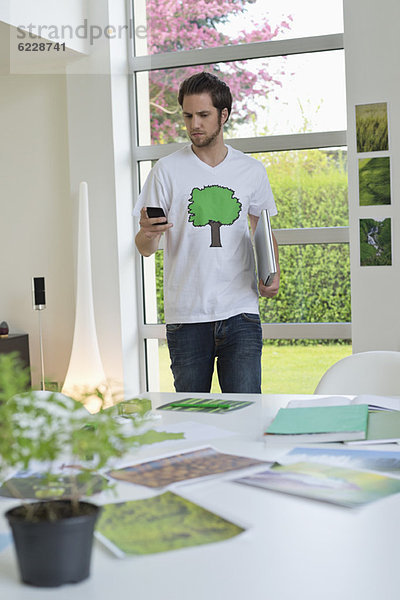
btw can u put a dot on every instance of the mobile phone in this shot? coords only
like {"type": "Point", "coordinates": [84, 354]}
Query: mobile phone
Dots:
{"type": "Point", "coordinates": [155, 211]}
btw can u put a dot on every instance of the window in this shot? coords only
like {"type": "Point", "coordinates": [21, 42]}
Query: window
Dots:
{"type": "Point", "coordinates": [289, 113]}
{"type": "Point", "coordinates": [306, 93]}
{"type": "Point", "coordinates": [174, 26]}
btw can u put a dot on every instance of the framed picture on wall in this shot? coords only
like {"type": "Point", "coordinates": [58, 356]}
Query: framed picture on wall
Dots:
{"type": "Point", "coordinates": [374, 180]}
{"type": "Point", "coordinates": [372, 127]}
{"type": "Point", "coordinates": [375, 242]}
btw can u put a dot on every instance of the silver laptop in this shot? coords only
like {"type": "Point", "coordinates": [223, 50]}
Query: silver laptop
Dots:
{"type": "Point", "coordinates": [264, 249]}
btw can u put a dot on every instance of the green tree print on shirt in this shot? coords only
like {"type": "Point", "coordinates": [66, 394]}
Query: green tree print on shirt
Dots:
{"type": "Point", "coordinates": [213, 205]}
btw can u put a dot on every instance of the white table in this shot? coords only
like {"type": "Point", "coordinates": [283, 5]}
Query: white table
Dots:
{"type": "Point", "coordinates": [295, 549]}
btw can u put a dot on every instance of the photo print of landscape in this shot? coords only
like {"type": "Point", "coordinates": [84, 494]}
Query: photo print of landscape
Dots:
{"type": "Point", "coordinates": [372, 127]}
{"type": "Point", "coordinates": [374, 180]}
{"type": "Point", "coordinates": [375, 242]}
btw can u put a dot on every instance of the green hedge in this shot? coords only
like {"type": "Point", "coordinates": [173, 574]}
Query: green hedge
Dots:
{"type": "Point", "coordinates": [310, 190]}
{"type": "Point", "coordinates": [315, 286]}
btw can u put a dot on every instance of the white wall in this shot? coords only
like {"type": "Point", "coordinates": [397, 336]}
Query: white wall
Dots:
{"type": "Point", "coordinates": [100, 153]}
{"type": "Point", "coordinates": [48, 17]}
{"type": "Point", "coordinates": [36, 214]}
{"type": "Point", "coordinates": [55, 132]}
{"type": "Point", "coordinates": [372, 50]}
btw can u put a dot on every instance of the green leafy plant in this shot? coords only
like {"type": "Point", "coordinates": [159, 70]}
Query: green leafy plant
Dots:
{"type": "Point", "coordinates": [53, 430]}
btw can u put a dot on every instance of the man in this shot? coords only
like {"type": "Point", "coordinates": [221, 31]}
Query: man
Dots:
{"type": "Point", "coordinates": [207, 191]}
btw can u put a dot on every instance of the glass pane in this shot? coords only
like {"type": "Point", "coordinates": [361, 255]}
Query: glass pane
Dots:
{"type": "Point", "coordinates": [272, 96]}
{"type": "Point", "coordinates": [152, 270]}
{"type": "Point", "coordinates": [153, 288]}
{"type": "Point", "coordinates": [166, 381]}
{"type": "Point", "coordinates": [294, 368]}
{"type": "Point", "coordinates": [315, 286]}
{"type": "Point", "coordinates": [176, 25]}
{"type": "Point", "coordinates": [309, 186]}
{"type": "Point", "coordinates": [310, 189]}
{"type": "Point", "coordinates": [298, 367]}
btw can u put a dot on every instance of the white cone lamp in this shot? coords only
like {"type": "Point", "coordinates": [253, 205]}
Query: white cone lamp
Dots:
{"type": "Point", "coordinates": [85, 371]}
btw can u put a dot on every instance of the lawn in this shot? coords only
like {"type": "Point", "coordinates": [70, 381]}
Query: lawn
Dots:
{"type": "Point", "coordinates": [285, 369]}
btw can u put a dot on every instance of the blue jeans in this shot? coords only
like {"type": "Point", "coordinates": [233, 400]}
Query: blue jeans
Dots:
{"type": "Point", "coordinates": [235, 342]}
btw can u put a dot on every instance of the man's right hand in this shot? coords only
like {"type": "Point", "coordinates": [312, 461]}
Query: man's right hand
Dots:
{"type": "Point", "coordinates": [152, 228]}
{"type": "Point", "coordinates": [150, 232]}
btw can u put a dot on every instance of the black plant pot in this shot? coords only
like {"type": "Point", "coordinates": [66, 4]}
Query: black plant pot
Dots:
{"type": "Point", "coordinates": [52, 553]}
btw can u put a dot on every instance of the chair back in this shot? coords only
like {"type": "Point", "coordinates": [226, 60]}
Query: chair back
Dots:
{"type": "Point", "coordinates": [375, 372]}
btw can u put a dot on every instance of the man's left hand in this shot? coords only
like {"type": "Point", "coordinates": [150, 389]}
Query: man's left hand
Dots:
{"type": "Point", "coordinates": [269, 291]}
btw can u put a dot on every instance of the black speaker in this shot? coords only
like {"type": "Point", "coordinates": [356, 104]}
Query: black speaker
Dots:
{"type": "Point", "coordinates": [38, 293]}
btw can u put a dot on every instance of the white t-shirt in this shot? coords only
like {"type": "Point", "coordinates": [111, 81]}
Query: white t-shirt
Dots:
{"type": "Point", "coordinates": [209, 268]}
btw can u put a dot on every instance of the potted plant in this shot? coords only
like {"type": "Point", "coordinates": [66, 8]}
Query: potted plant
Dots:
{"type": "Point", "coordinates": [53, 536]}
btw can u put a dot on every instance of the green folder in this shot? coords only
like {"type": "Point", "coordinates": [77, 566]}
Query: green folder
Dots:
{"type": "Point", "coordinates": [320, 423]}
{"type": "Point", "coordinates": [383, 427]}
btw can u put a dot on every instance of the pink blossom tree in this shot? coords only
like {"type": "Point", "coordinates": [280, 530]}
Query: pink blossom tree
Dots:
{"type": "Point", "coordinates": [175, 25]}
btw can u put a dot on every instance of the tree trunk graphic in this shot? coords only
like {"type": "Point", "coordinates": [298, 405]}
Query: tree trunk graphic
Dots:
{"type": "Point", "coordinates": [215, 234]}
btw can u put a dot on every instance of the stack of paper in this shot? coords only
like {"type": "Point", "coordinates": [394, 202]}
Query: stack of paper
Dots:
{"type": "Point", "coordinates": [383, 416]}
{"type": "Point", "coordinates": [326, 482]}
{"type": "Point", "coordinates": [319, 424]}
{"type": "Point", "coordinates": [374, 402]}
{"type": "Point", "coordinates": [344, 476]}
{"type": "Point", "coordinates": [383, 428]}
{"type": "Point", "coordinates": [364, 459]}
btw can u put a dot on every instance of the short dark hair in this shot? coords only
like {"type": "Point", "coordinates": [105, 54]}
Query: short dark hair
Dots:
{"type": "Point", "coordinates": [207, 82]}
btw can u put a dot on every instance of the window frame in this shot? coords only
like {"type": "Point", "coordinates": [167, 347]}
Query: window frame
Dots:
{"type": "Point", "coordinates": [298, 141]}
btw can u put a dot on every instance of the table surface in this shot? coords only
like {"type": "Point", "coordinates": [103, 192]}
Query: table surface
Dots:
{"type": "Point", "coordinates": [294, 548]}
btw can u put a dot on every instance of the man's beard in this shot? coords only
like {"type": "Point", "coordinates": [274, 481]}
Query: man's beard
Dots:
{"type": "Point", "coordinates": [206, 141]}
